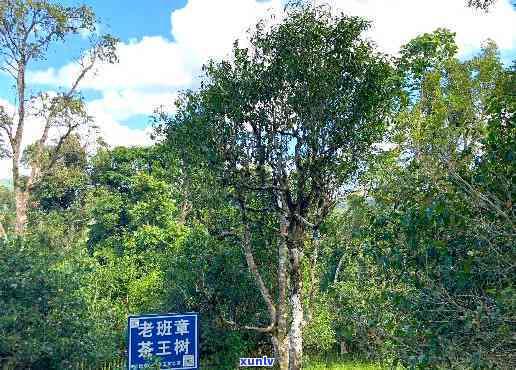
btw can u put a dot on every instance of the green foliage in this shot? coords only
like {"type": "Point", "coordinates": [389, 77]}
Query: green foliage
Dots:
{"type": "Point", "coordinates": [292, 116]}
{"type": "Point", "coordinates": [134, 232]}
{"type": "Point", "coordinates": [353, 286]}
{"type": "Point", "coordinates": [149, 262]}
{"type": "Point", "coordinates": [415, 267]}
{"type": "Point", "coordinates": [341, 364]}
{"type": "Point", "coordinates": [497, 167]}
{"type": "Point", "coordinates": [134, 210]}
{"type": "Point", "coordinates": [55, 22]}
{"type": "Point", "coordinates": [430, 243]}
{"type": "Point", "coordinates": [58, 189]}
{"type": "Point", "coordinates": [428, 51]}
{"type": "Point", "coordinates": [319, 334]}
{"type": "Point", "coordinates": [6, 207]}
{"type": "Point", "coordinates": [59, 216]}
{"type": "Point", "coordinates": [211, 277]}
{"type": "Point", "coordinates": [45, 321]}
{"type": "Point", "coordinates": [438, 248]}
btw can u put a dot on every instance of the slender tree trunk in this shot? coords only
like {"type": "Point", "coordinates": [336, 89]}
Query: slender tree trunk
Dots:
{"type": "Point", "coordinates": [281, 347]}
{"type": "Point", "coordinates": [296, 302]}
{"type": "Point", "coordinates": [337, 270]}
{"type": "Point", "coordinates": [281, 351]}
{"type": "Point", "coordinates": [256, 274]}
{"type": "Point", "coordinates": [313, 284]}
{"type": "Point", "coordinates": [184, 210]}
{"type": "Point", "coordinates": [20, 194]}
{"type": "Point", "coordinates": [2, 231]}
{"type": "Point", "coordinates": [21, 198]}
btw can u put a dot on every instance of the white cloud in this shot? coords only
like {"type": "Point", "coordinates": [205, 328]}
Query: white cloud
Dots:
{"type": "Point", "coordinates": [134, 86]}
{"type": "Point", "coordinates": [204, 29]}
{"type": "Point", "coordinates": [153, 69]}
{"type": "Point", "coordinates": [201, 30]}
{"type": "Point", "coordinates": [121, 105]}
{"type": "Point", "coordinates": [207, 29]}
{"type": "Point", "coordinates": [5, 164]}
{"type": "Point", "coordinates": [5, 169]}
{"type": "Point", "coordinates": [33, 125]}
{"type": "Point", "coordinates": [395, 22]}
{"type": "Point", "coordinates": [116, 134]}
{"type": "Point", "coordinates": [152, 62]}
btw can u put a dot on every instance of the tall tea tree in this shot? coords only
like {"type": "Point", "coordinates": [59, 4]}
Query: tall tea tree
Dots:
{"type": "Point", "coordinates": [285, 126]}
{"type": "Point", "coordinates": [27, 29]}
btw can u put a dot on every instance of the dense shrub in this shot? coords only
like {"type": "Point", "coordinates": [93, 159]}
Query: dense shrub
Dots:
{"type": "Point", "coordinates": [46, 321]}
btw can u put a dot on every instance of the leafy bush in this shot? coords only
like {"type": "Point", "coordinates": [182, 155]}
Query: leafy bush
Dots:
{"type": "Point", "coordinates": [211, 278]}
{"type": "Point", "coordinates": [46, 321]}
{"type": "Point", "coordinates": [319, 333]}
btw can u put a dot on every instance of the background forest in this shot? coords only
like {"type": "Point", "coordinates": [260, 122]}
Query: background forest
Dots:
{"type": "Point", "coordinates": [313, 198]}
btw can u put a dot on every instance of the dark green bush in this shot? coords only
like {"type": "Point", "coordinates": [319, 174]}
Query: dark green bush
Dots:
{"type": "Point", "coordinates": [45, 321]}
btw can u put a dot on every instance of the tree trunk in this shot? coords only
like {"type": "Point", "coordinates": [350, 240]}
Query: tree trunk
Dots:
{"type": "Point", "coordinates": [3, 234]}
{"type": "Point", "coordinates": [296, 302]}
{"type": "Point", "coordinates": [281, 341]}
{"type": "Point", "coordinates": [20, 194]}
{"type": "Point", "coordinates": [281, 351]}
{"type": "Point", "coordinates": [21, 198]}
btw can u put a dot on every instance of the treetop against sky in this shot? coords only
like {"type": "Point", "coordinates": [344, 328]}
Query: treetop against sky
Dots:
{"type": "Point", "coordinates": [164, 44]}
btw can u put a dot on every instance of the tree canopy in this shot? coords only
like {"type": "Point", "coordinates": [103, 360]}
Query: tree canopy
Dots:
{"type": "Point", "coordinates": [285, 126]}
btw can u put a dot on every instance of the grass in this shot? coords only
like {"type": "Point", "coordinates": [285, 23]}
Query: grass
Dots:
{"type": "Point", "coordinates": [348, 365]}
{"type": "Point", "coordinates": [342, 364]}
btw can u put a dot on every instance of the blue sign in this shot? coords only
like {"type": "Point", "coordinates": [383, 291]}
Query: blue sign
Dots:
{"type": "Point", "coordinates": [170, 340]}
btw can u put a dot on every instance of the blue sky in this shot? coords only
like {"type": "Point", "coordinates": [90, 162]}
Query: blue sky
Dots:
{"type": "Point", "coordinates": [165, 42]}
{"type": "Point", "coordinates": [135, 19]}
